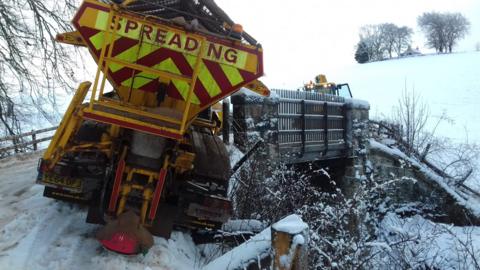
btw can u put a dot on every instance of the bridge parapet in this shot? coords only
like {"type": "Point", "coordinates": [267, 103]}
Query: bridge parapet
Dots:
{"type": "Point", "coordinates": [298, 126]}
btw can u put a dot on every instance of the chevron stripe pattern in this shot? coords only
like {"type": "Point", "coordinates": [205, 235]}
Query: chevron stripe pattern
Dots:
{"type": "Point", "coordinates": [224, 66]}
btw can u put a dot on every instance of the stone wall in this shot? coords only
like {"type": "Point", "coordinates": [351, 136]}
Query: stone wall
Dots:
{"type": "Point", "coordinates": [414, 192]}
{"type": "Point", "coordinates": [357, 166]}
{"type": "Point", "coordinates": [255, 118]}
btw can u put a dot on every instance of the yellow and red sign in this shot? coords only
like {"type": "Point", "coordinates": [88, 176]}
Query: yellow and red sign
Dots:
{"type": "Point", "coordinates": [225, 65]}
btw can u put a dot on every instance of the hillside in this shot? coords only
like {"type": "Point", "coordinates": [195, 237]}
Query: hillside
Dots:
{"type": "Point", "coordinates": [448, 83]}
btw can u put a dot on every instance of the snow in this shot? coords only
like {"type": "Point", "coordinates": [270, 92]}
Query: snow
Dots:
{"type": "Point", "coordinates": [40, 233]}
{"type": "Point", "coordinates": [298, 240]}
{"type": "Point", "coordinates": [357, 103]}
{"type": "Point", "coordinates": [292, 224]}
{"type": "Point", "coordinates": [438, 245]}
{"type": "Point", "coordinates": [234, 153]}
{"type": "Point", "coordinates": [259, 246]}
{"type": "Point", "coordinates": [448, 83]}
{"type": "Point", "coordinates": [243, 225]}
{"type": "Point", "coordinates": [252, 97]}
{"type": "Point", "coordinates": [256, 248]}
{"type": "Point", "coordinates": [247, 92]}
{"type": "Point", "coordinates": [471, 203]}
{"type": "Point", "coordinates": [382, 245]}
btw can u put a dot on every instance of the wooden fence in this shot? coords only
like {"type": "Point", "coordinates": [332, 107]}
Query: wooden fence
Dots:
{"type": "Point", "coordinates": [19, 144]}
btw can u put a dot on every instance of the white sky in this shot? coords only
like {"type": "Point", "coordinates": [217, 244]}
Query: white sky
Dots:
{"type": "Point", "coordinates": [306, 37]}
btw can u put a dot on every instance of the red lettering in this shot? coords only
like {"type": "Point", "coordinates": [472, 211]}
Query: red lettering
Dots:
{"type": "Point", "coordinates": [231, 56]}
{"type": "Point", "coordinates": [131, 25]}
{"type": "Point", "coordinates": [176, 40]}
{"type": "Point", "coordinates": [191, 44]}
{"type": "Point", "coordinates": [147, 31]}
{"type": "Point", "coordinates": [213, 49]}
{"type": "Point", "coordinates": [161, 36]}
{"type": "Point", "coordinates": [112, 25]}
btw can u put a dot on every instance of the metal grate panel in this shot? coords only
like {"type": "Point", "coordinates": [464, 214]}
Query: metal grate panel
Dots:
{"type": "Point", "coordinates": [310, 122]}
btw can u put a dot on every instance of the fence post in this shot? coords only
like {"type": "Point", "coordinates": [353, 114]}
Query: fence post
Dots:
{"type": "Point", "coordinates": [289, 244]}
{"type": "Point", "coordinates": [14, 142]}
{"type": "Point", "coordinates": [34, 140]}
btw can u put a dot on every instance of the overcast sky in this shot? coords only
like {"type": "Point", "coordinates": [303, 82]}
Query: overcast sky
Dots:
{"type": "Point", "coordinates": [305, 37]}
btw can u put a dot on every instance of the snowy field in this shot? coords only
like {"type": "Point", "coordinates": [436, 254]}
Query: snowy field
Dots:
{"type": "Point", "coordinates": [448, 83]}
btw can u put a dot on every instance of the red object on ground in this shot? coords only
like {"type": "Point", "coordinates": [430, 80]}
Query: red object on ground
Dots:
{"type": "Point", "coordinates": [121, 243]}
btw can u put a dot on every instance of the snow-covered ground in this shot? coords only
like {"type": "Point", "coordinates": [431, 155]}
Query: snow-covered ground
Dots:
{"type": "Point", "coordinates": [448, 83]}
{"type": "Point", "coordinates": [40, 233]}
{"type": "Point", "coordinates": [416, 242]}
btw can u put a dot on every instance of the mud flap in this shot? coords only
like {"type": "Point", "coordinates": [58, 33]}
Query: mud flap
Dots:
{"type": "Point", "coordinates": [164, 219]}
{"type": "Point", "coordinates": [95, 210]}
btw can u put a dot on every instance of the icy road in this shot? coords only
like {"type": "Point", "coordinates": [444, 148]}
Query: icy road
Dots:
{"type": "Point", "coordinates": [39, 233]}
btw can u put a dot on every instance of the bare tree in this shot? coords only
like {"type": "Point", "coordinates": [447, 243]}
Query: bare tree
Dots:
{"type": "Point", "coordinates": [456, 27]}
{"type": "Point", "coordinates": [372, 36]}
{"type": "Point", "coordinates": [412, 115]}
{"type": "Point", "coordinates": [382, 40]}
{"type": "Point", "coordinates": [443, 30]}
{"type": "Point", "coordinates": [402, 39]}
{"type": "Point", "coordinates": [31, 64]}
{"type": "Point", "coordinates": [389, 33]}
{"type": "Point", "coordinates": [456, 161]}
{"type": "Point", "coordinates": [432, 25]}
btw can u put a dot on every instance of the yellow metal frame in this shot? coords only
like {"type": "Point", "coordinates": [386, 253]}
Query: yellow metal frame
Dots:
{"type": "Point", "coordinates": [100, 81]}
{"type": "Point", "coordinates": [72, 38]}
{"type": "Point", "coordinates": [67, 126]}
{"type": "Point", "coordinates": [147, 191]}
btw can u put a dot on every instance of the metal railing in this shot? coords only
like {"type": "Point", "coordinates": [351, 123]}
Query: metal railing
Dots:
{"type": "Point", "coordinates": [310, 123]}
{"type": "Point", "coordinates": [18, 142]}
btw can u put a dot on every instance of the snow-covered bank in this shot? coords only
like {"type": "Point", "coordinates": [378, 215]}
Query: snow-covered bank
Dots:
{"type": "Point", "coordinates": [470, 201]}
{"type": "Point", "coordinates": [416, 243]}
{"type": "Point", "coordinates": [40, 233]}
